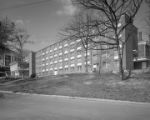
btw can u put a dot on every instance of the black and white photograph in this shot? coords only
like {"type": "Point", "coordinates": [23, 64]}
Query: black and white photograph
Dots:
{"type": "Point", "coordinates": [74, 59]}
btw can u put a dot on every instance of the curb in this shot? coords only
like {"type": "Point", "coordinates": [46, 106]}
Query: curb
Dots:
{"type": "Point", "coordinates": [71, 97]}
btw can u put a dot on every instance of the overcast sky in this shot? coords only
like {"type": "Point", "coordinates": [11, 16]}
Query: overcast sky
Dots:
{"type": "Point", "coordinates": [43, 20]}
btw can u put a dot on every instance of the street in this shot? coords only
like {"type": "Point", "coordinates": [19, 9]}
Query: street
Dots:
{"type": "Point", "coordinates": [38, 107]}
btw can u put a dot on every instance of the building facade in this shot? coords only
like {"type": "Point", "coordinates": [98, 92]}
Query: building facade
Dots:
{"type": "Point", "coordinates": [143, 59]}
{"type": "Point", "coordinates": [69, 56]}
{"type": "Point", "coordinates": [19, 69]}
{"type": "Point", "coordinates": [7, 56]}
{"type": "Point", "coordinates": [62, 57]}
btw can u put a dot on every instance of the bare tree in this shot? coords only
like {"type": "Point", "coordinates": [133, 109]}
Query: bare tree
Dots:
{"type": "Point", "coordinates": [6, 33]}
{"type": "Point", "coordinates": [106, 26]}
{"type": "Point", "coordinates": [20, 39]}
{"type": "Point", "coordinates": [148, 17]}
{"type": "Point", "coordinates": [79, 28]}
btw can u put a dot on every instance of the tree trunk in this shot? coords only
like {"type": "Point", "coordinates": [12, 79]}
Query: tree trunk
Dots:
{"type": "Point", "coordinates": [121, 71]}
{"type": "Point", "coordinates": [86, 60]}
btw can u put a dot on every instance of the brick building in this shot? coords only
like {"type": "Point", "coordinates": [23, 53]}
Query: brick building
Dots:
{"type": "Point", "coordinates": [68, 56]}
{"type": "Point", "coordinates": [6, 57]}
{"type": "Point", "coordinates": [143, 59]}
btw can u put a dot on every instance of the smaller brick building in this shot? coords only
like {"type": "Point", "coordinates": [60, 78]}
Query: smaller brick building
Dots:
{"type": "Point", "coordinates": [143, 59]}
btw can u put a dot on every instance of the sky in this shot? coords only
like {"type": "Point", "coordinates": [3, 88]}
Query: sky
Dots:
{"type": "Point", "coordinates": [44, 19]}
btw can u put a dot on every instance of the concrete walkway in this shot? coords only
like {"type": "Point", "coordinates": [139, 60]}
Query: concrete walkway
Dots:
{"type": "Point", "coordinates": [44, 107]}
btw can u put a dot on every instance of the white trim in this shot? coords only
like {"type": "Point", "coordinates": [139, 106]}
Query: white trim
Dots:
{"type": "Point", "coordinates": [65, 44]}
{"type": "Point", "coordinates": [142, 42]}
{"type": "Point", "coordinates": [55, 55]}
{"type": "Point", "coordinates": [79, 64]}
{"type": "Point", "coordinates": [66, 66]}
{"type": "Point", "coordinates": [87, 54]}
{"type": "Point", "coordinates": [72, 43]}
{"type": "Point", "coordinates": [79, 48]}
{"type": "Point", "coordinates": [60, 67]}
{"type": "Point", "coordinates": [94, 66]}
{"type": "Point", "coordinates": [60, 47]}
{"type": "Point", "coordinates": [78, 40]}
{"type": "Point", "coordinates": [55, 61]}
{"type": "Point", "coordinates": [140, 59]}
{"type": "Point", "coordinates": [60, 53]}
{"type": "Point", "coordinates": [60, 60]}
{"type": "Point", "coordinates": [72, 65]}
{"type": "Point", "coordinates": [78, 56]}
{"type": "Point", "coordinates": [87, 62]}
{"type": "Point", "coordinates": [66, 52]}
{"type": "Point", "coordinates": [72, 58]}
{"type": "Point", "coordinates": [51, 69]}
{"type": "Point", "coordinates": [55, 49]}
{"type": "Point", "coordinates": [119, 24]}
{"type": "Point", "coordinates": [65, 59]}
{"type": "Point", "coordinates": [72, 50]}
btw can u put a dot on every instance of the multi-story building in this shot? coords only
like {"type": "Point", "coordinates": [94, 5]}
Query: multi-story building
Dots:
{"type": "Point", "coordinates": [62, 57]}
{"type": "Point", "coordinates": [143, 59]}
{"type": "Point", "coordinates": [68, 56]}
{"type": "Point", "coordinates": [6, 57]}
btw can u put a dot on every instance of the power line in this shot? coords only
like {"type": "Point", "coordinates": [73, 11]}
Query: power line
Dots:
{"type": "Point", "coordinates": [24, 5]}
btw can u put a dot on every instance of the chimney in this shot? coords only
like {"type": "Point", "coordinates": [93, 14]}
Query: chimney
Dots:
{"type": "Point", "coordinates": [140, 36]}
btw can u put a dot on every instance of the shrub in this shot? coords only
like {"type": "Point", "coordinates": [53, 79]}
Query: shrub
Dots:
{"type": "Point", "coordinates": [1, 95]}
{"type": "Point", "coordinates": [33, 75]}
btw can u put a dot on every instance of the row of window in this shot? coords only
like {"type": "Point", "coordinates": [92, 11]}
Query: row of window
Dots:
{"type": "Point", "coordinates": [79, 55]}
{"type": "Point", "coordinates": [56, 46]}
{"type": "Point", "coordinates": [60, 66]}
{"type": "Point", "coordinates": [65, 51]}
{"type": "Point", "coordinates": [79, 68]}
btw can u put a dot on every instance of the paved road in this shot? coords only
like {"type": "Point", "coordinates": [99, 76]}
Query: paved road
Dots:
{"type": "Point", "coordinates": [35, 107]}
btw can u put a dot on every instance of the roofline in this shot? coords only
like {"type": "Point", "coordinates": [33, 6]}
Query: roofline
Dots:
{"type": "Point", "coordinates": [52, 44]}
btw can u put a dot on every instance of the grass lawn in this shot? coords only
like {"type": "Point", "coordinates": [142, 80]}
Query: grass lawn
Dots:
{"type": "Point", "coordinates": [106, 86]}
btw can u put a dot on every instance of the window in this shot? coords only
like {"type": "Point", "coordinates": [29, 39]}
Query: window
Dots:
{"type": "Point", "coordinates": [72, 69]}
{"type": "Point", "coordinates": [79, 60]}
{"type": "Point", "coordinates": [72, 57]}
{"type": "Point", "coordinates": [115, 55]}
{"type": "Point", "coordinates": [66, 52]}
{"type": "Point", "coordinates": [66, 56]}
{"type": "Point", "coordinates": [66, 69]}
{"type": "Point", "coordinates": [66, 62]}
{"type": "Point", "coordinates": [72, 43]}
{"type": "Point", "coordinates": [79, 48]}
{"type": "Point", "coordinates": [65, 43]}
{"type": "Point", "coordinates": [78, 56]}
{"type": "Point", "coordinates": [71, 50]}
{"type": "Point", "coordinates": [7, 60]}
{"type": "Point", "coordinates": [79, 68]}
{"type": "Point", "coordinates": [60, 47]}
{"type": "Point", "coordinates": [78, 40]}
{"type": "Point", "coordinates": [72, 54]}
{"type": "Point", "coordinates": [60, 54]}
{"type": "Point", "coordinates": [72, 61]}
{"type": "Point", "coordinates": [55, 48]}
